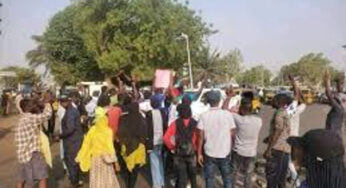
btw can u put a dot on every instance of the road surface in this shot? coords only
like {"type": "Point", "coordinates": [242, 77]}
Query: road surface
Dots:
{"type": "Point", "coordinates": [313, 117]}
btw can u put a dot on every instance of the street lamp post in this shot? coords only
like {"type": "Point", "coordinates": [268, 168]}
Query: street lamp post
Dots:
{"type": "Point", "coordinates": [186, 37]}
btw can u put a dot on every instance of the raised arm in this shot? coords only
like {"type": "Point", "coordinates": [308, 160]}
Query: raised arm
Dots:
{"type": "Point", "coordinates": [294, 84]}
{"type": "Point", "coordinates": [327, 86]}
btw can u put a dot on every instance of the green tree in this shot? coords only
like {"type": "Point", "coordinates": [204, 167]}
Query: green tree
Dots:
{"type": "Point", "coordinates": [62, 51]}
{"type": "Point", "coordinates": [23, 75]}
{"type": "Point", "coordinates": [139, 35]}
{"type": "Point", "coordinates": [310, 68]}
{"type": "Point", "coordinates": [210, 64]}
{"type": "Point", "coordinates": [258, 75]}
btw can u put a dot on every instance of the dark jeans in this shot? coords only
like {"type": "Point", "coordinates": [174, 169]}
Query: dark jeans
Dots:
{"type": "Point", "coordinates": [242, 169]}
{"type": "Point", "coordinates": [276, 169]}
{"type": "Point", "coordinates": [186, 168]}
{"type": "Point", "coordinates": [223, 164]}
{"type": "Point", "coordinates": [131, 177]}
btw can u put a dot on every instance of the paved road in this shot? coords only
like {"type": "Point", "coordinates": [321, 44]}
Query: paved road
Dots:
{"type": "Point", "coordinates": [313, 117]}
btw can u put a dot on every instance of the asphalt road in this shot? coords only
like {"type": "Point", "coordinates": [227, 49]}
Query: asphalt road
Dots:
{"type": "Point", "coordinates": [313, 117]}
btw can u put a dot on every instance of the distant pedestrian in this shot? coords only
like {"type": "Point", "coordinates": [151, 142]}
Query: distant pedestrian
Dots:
{"type": "Point", "coordinates": [216, 128]}
{"type": "Point", "coordinates": [245, 147]}
{"type": "Point", "coordinates": [181, 139]}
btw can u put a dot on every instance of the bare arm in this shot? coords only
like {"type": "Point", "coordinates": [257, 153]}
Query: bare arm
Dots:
{"type": "Point", "coordinates": [295, 88]}
{"type": "Point", "coordinates": [200, 146]}
{"type": "Point", "coordinates": [327, 86]}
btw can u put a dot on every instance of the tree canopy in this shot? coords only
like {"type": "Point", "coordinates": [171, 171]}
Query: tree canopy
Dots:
{"type": "Point", "coordinates": [93, 38]}
{"type": "Point", "coordinates": [258, 75]}
{"type": "Point", "coordinates": [310, 68]}
{"type": "Point", "coordinates": [23, 75]}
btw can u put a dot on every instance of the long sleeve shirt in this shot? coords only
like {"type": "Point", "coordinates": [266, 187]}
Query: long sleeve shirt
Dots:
{"type": "Point", "coordinates": [27, 133]}
{"type": "Point", "coordinates": [169, 137]}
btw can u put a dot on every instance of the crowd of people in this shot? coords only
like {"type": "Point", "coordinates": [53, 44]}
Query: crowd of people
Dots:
{"type": "Point", "coordinates": [115, 134]}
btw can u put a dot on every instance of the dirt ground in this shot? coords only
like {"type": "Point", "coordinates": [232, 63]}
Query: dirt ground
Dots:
{"type": "Point", "coordinates": [313, 117]}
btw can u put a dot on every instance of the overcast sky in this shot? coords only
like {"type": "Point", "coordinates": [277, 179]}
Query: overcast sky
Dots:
{"type": "Point", "coordinates": [271, 32]}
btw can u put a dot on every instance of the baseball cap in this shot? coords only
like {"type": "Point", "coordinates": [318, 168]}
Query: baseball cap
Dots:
{"type": "Point", "coordinates": [213, 96]}
{"type": "Point", "coordinates": [320, 143]}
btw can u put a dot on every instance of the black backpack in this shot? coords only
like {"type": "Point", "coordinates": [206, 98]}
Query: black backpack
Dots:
{"type": "Point", "coordinates": [184, 138]}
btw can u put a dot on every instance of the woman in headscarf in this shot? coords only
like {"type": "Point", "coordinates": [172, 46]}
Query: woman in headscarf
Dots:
{"type": "Point", "coordinates": [131, 137]}
{"type": "Point", "coordinates": [97, 153]}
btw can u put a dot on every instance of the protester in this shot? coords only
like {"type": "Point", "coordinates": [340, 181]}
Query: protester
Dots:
{"type": "Point", "coordinates": [278, 150]}
{"type": "Point", "coordinates": [27, 138]}
{"type": "Point", "coordinates": [91, 106]}
{"type": "Point", "coordinates": [294, 111]}
{"type": "Point", "coordinates": [97, 153]}
{"type": "Point", "coordinates": [131, 136]}
{"type": "Point", "coordinates": [321, 153]}
{"type": "Point", "coordinates": [336, 116]}
{"type": "Point", "coordinates": [232, 101]}
{"type": "Point", "coordinates": [72, 135]}
{"type": "Point", "coordinates": [156, 123]}
{"type": "Point", "coordinates": [19, 98]}
{"type": "Point", "coordinates": [114, 113]}
{"type": "Point", "coordinates": [216, 128]}
{"type": "Point", "coordinates": [184, 133]}
{"type": "Point", "coordinates": [245, 146]}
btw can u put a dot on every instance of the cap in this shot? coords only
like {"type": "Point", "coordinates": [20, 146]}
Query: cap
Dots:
{"type": "Point", "coordinates": [213, 96]}
{"type": "Point", "coordinates": [320, 143]}
{"type": "Point", "coordinates": [63, 98]}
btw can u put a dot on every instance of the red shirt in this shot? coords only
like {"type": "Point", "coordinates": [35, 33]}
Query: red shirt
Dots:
{"type": "Point", "coordinates": [114, 114]}
{"type": "Point", "coordinates": [171, 131]}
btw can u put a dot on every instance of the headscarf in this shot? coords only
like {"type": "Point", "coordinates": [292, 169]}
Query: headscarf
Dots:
{"type": "Point", "coordinates": [97, 142]}
{"type": "Point", "coordinates": [132, 127]}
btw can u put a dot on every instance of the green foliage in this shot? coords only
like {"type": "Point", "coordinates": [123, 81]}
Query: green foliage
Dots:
{"type": "Point", "coordinates": [209, 64]}
{"type": "Point", "coordinates": [258, 75]}
{"type": "Point", "coordinates": [310, 68]}
{"type": "Point", "coordinates": [91, 37]}
{"type": "Point", "coordinates": [23, 75]}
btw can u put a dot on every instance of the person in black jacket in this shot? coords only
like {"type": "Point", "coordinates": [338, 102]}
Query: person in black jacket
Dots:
{"type": "Point", "coordinates": [156, 123]}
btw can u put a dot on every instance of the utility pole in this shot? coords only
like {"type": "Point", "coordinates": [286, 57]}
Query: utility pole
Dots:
{"type": "Point", "coordinates": [0, 18]}
{"type": "Point", "coordinates": [186, 37]}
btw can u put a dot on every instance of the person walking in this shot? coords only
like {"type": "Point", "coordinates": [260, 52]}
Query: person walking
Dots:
{"type": "Point", "coordinates": [278, 150]}
{"type": "Point", "coordinates": [97, 153]}
{"type": "Point", "coordinates": [216, 128]}
{"type": "Point", "coordinates": [184, 147]}
{"type": "Point", "coordinates": [248, 127]}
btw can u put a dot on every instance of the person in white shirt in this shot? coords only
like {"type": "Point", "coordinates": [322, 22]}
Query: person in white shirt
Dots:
{"type": "Point", "coordinates": [294, 111]}
{"type": "Point", "coordinates": [216, 128]}
{"type": "Point", "coordinates": [245, 147]}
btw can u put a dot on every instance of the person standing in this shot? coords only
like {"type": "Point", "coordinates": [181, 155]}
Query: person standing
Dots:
{"type": "Point", "coordinates": [32, 164]}
{"type": "Point", "coordinates": [72, 136]}
{"type": "Point", "coordinates": [156, 124]}
{"type": "Point", "coordinates": [321, 153]}
{"type": "Point", "coordinates": [131, 137]}
{"type": "Point", "coordinates": [336, 118]}
{"type": "Point", "coordinates": [232, 101]}
{"type": "Point", "coordinates": [295, 109]}
{"type": "Point", "coordinates": [278, 150]}
{"type": "Point", "coordinates": [216, 128]}
{"type": "Point", "coordinates": [245, 147]}
{"type": "Point", "coordinates": [97, 153]}
{"type": "Point", "coordinates": [184, 133]}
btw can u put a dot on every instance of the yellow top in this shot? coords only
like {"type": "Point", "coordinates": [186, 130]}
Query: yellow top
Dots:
{"type": "Point", "coordinates": [97, 142]}
{"type": "Point", "coordinates": [137, 157]}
